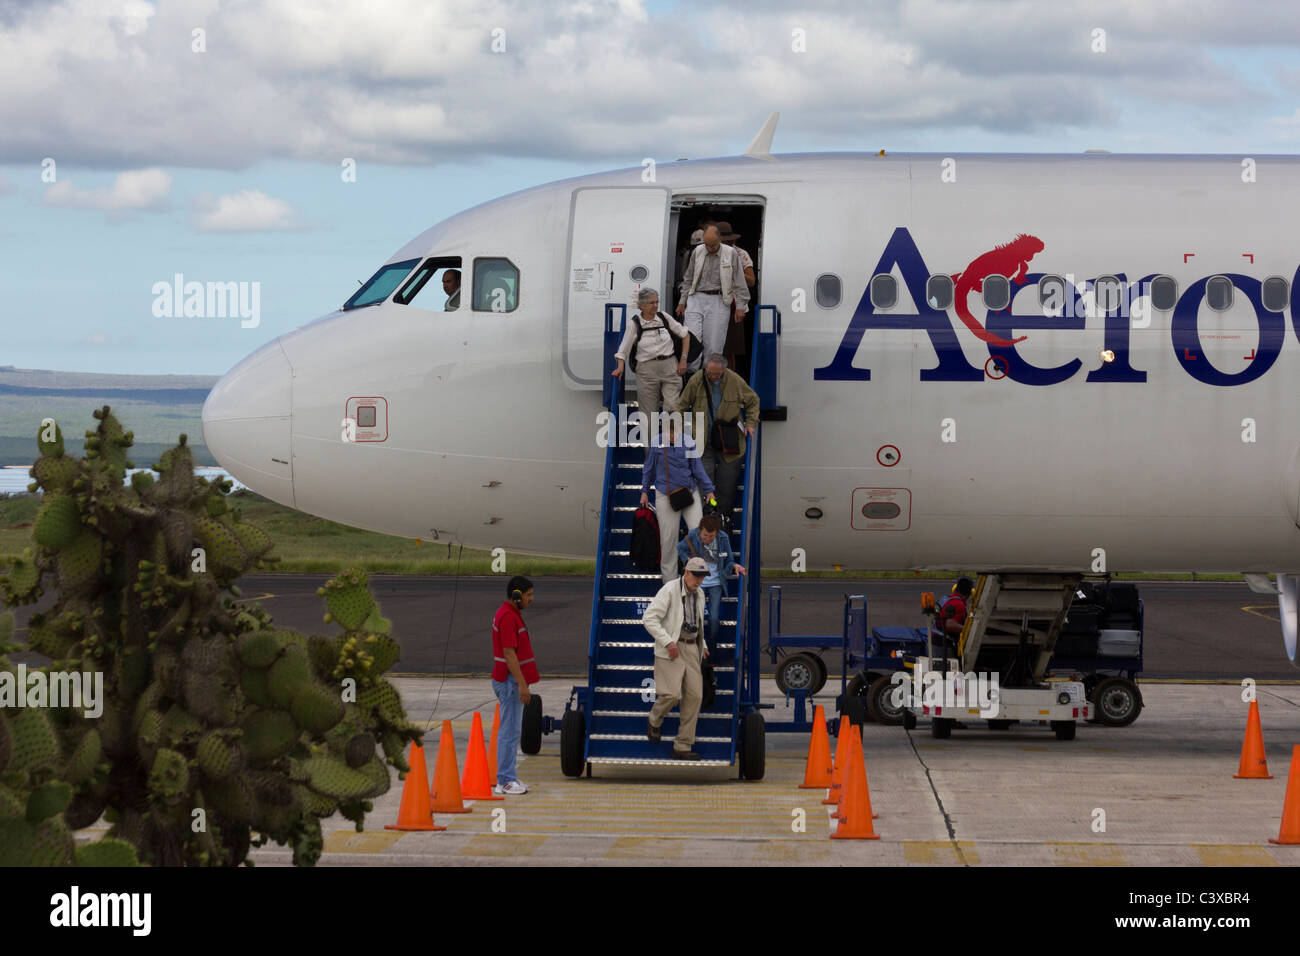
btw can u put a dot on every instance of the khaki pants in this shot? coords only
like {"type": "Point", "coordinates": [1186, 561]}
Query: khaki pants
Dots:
{"type": "Point", "coordinates": [708, 316]}
{"type": "Point", "coordinates": [657, 386]}
{"type": "Point", "coordinates": [675, 681]}
{"type": "Point", "coordinates": [668, 531]}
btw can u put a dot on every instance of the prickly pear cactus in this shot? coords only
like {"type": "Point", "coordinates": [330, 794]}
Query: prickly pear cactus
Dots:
{"type": "Point", "coordinates": [216, 725]}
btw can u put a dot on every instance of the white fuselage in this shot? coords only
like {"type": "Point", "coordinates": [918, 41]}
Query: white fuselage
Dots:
{"type": "Point", "coordinates": [491, 418]}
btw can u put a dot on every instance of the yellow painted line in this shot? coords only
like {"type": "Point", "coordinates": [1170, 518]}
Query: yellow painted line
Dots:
{"type": "Point", "coordinates": [1233, 855]}
{"type": "Point", "coordinates": [368, 841]}
{"type": "Point", "coordinates": [502, 844]}
{"type": "Point", "coordinates": [940, 852]}
{"type": "Point", "coordinates": [794, 852]}
{"type": "Point", "coordinates": [1209, 680]}
{"type": "Point", "coordinates": [1087, 854]}
{"type": "Point", "coordinates": [1256, 608]}
{"type": "Point", "coordinates": [256, 597]}
{"type": "Point", "coordinates": [644, 848]}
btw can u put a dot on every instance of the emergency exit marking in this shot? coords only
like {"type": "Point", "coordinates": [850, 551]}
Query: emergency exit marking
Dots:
{"type": "Point", "coordinates": [369, 414]}
{"type": "Point", "coordinates": [888, 455]}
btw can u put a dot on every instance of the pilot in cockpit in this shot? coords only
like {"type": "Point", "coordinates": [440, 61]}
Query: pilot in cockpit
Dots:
{"type": "Point", "coordinates": [451, 286]}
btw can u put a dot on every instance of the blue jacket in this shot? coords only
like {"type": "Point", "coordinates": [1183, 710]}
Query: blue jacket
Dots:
{"type": "Point", "coordinates": [684, 470]}
{"type": "Point", "coordinates": [726, 556]}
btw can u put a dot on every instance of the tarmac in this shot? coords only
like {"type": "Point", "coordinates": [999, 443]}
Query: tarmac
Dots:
{"type": "Point", "coordinates": [1159, 792]}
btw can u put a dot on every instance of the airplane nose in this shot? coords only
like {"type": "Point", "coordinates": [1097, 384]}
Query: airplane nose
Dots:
{"type": "Point", "coordinates": [246, 423]}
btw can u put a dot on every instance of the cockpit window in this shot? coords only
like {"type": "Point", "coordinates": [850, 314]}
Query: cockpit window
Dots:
{"type": "Point", "coordinates": [496, 285]}
{"type": "Point", "coordinates": [381, 284]}
{"type": "Point", "coordinates": [436, 283]}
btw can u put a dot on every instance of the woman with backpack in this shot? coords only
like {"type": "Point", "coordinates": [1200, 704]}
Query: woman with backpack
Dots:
{"type": "Point", "coordinates": [649, 347]}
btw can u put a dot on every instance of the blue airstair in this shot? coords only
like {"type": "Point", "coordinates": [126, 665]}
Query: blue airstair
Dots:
{"type": "Point", "coordinates": [604, 722]}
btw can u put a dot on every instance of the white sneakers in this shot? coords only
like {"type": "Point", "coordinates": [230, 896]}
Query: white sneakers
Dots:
{"type": "Point", "coordinates": [514, 787]}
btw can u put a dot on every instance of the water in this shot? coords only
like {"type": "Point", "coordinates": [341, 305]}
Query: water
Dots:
{"type": "Point", "coordinates": [16, 480]}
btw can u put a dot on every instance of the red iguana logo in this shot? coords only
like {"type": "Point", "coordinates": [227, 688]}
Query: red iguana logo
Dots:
{"type": "Point", "coordinates": [1010, 260]}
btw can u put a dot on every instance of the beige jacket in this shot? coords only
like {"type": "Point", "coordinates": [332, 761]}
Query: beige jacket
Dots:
{"type": "Point", "coordinates": [731, 273]}
{"type": "Point", "coordinates": [663, 618]}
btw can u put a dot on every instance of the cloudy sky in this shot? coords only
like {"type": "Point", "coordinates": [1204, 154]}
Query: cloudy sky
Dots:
{"type": "Point", "coordinates": [140, 140]}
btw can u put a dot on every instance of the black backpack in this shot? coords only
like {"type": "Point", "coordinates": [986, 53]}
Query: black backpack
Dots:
{"type": "Point", "coordinates": [691, 355]}
{"type": "Point", "coordinates": [644, 550]}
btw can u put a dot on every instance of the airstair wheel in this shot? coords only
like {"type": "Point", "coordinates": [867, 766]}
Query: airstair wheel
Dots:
{"type": "Point", "coordinates": [530, 728]}
{"type": "Point", "coordinates": [573, 738]}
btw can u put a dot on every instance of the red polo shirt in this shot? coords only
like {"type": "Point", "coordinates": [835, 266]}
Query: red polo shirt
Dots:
{"type": "Point", "coordinates": [508, 630]}
{"type": "Point", "coordinates": [954, 608]}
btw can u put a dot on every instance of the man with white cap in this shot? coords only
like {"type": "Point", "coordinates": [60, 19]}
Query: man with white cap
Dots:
{"type": "Point", "coordinates": [675, 619]}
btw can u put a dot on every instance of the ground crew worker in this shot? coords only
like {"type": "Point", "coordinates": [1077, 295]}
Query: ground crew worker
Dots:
{"type": "Point", "coordinates": [675, 619]}
{"type": "Point", "coordinates": [513, 669]}
{"type": "Point", "coordinates": [952, 612]}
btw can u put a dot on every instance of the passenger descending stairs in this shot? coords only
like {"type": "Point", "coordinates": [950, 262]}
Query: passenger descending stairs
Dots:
{"type": "Point", "coordinates": [622, 659]}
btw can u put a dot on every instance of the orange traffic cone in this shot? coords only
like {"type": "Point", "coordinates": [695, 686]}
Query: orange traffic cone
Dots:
{"type": "Point", "coordinates": [446, 782]}
{"type": "Point", "coordinates": [841, 756]}
{"type": "Point", "coordinates": [855, 821]}
{"type": "Point", "coordinates": [414, 812]}
{"type": "Point", "coordinates": [1289, 834]}
{"type": "Point", "coordinates": [492, 744]}
{"type": "Point", "coordinates": [475, 785]}
{"type": "Point", "coordinates": [818, 771]}
{"type": "Point", "coordinates": [851, 782]}
{"type": "Point", "coordinates": [1253, 765]}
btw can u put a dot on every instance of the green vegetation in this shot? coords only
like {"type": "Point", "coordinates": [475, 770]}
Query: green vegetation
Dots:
{"type": "Point", "coordinates": [311, 545]}
{"type": "Point", "coordinates": [307, 544]}
{"type": "Point", "coordinates": [215, 725]}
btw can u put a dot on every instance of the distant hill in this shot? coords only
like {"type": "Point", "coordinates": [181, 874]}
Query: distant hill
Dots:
{"type": "Point", "coordinates": [157, 408]}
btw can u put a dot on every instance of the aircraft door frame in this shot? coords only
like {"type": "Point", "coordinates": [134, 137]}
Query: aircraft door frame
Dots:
{"type": "Point", "coordinates": [615, 234]}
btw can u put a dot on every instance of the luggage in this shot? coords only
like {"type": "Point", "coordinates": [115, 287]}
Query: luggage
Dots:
{"type": "Point", "coordinates": [644, 549]}
{"type": "Point", "coordinates": [1118, 643]}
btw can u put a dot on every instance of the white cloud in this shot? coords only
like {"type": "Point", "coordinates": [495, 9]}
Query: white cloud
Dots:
{"type": "Point", "coordinates": [138, 189]}
{"type": "Point", "coordinates": [249, 210]}
{"type": "Point", "coordinates": [115, 83]}
{"type": "Point", "coordinates": [6, 186]}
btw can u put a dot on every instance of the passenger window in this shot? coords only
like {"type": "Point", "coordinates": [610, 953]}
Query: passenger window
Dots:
{"type": "Point", "coordinates": [436, 283]}
{"type": "Point", "coordinates": [1051, 296]}
{"type": "Point", "coordinates": [1218, 293]}
{"type": "Point", "coordinates": [1106, 294]}
{"type": "Point", "coordinates": [828, 290]}
{"type": "Point", "coordinates": [1275, 293]}
{"type": "Point", "coordinates": [381, 284]}
{"type": "Point", "coordinates": [1164, 293]}
{"type": "Point", "coordinates": [496, 285]}
{"type": "Point", "coordinates": [997, 292]}
{"type": "Point", "coordinates": [938, 292]}
{"type": "Point", "coordinates": [884, 291]}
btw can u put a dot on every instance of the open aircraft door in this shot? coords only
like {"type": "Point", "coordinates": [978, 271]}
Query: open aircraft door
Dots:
{"type": "Point", "coordinates": [616, 246]}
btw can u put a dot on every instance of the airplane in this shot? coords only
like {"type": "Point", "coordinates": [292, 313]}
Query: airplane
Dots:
{"type": "Point", "coordinates": [1023, 362]}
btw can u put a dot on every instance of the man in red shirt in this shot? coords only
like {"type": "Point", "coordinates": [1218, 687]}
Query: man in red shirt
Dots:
{"type": "Point", "coordinates": [513, 669]}
{"type": "Point", "coordinates": [952, 611]}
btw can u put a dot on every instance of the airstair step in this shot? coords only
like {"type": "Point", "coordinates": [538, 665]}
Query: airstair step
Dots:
{"type": "Point", "coordinates": [698, 740]}
{"type": "Point", "coordinates": [669, 762]}
{"type": "Point", "coordinates": [645, 714]}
